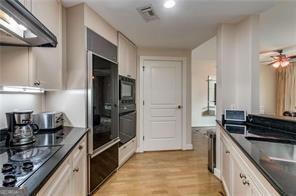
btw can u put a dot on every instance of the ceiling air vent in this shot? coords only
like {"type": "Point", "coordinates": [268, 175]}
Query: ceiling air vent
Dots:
{"type": "Point", "coordinates": [147, 13]}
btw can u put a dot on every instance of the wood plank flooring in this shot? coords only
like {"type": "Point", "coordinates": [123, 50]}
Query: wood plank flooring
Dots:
{"type": "Point", "coordinates": [174, 173]}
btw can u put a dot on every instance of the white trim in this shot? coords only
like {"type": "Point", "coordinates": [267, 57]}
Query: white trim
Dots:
{"type": "Point", "coordinates": [217, 173]}
{"type": "Point", "coordinates": [187, 147]}
{"type": "Point", "coordinates": [184, 145]}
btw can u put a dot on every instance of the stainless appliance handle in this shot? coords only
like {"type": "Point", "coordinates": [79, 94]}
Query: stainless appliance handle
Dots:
{"type": "Point", "coordinates": [104, 147]}
{"type": "Point", "coordinates": [90, 100]}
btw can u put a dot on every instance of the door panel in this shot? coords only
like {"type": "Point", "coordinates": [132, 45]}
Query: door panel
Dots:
{"type": "Point", "coordinates": [162, 96]}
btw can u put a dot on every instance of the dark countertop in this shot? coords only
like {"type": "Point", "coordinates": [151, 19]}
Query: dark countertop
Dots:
{"type": "Point", "coordinates": [271, 151]}
{"type": "Point", "coordinates": [285, 118]}
{"type": "Point", "coordinates": [66, 138]}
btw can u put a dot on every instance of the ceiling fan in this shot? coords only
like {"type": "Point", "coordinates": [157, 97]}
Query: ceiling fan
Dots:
{"type": "Point", "coordinates": [278, 58]}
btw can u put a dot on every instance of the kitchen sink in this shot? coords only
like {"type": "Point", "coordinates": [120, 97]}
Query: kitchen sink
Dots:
{"type": "Point", "coordinates": [270, 139]}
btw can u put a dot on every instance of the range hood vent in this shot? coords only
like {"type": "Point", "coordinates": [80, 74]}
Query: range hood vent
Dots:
{"type": "Point", "coordinates": [18, 27]}
{"type": "Point", "coordinates": [147, 13]}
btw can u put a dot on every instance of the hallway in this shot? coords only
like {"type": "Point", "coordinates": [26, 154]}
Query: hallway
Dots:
{"type": "Point", "coordinates": [165, 173]}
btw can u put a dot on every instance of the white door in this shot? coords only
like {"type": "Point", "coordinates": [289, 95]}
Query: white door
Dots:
{"type": "Point", "coordinates": [162, 105]}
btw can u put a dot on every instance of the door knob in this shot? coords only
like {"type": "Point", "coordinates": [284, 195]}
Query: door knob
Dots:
{"type": "Point", "coordinates": [180, 107]}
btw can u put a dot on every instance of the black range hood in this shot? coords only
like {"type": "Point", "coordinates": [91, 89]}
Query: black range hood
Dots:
{"type": "Point", "coordinates": [18, 27]}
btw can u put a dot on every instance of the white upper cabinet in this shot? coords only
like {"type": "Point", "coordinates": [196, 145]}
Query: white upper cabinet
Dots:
{"type": "Point", "coordinates": [14, 66]}
{"type": "Point", "coordinates": [36, 66]}
{"type": "Point", "coordinates": [127, 57]}
{"type": "Point", "coordinates": [47, 63]}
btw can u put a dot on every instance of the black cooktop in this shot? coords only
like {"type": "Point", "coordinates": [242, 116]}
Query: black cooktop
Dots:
{"type": "Point", "coordinates": [18, 163]}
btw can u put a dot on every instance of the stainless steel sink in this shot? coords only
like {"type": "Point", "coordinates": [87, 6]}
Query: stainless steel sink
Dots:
{"type": "Point", "coordinates": [282, 159]}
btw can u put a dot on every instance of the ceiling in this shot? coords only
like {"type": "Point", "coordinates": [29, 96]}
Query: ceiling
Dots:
{"type": "Point", "coordinates": [277, 31]}
{"type": "Point", "coordinates": [187, 25]}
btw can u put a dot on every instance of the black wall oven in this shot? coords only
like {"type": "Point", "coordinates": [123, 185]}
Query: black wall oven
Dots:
{"type": "Point", "coordinates": [127, 90]}
{"type": "Point", "coordinates": [127, 123]}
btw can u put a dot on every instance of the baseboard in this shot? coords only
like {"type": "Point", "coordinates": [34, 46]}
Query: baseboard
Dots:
{"type": "Point", "coordinates": [139, 150]}
{"type": "Point", "coordinates": [187, 147]}
{"type": "Point", "coordinates": [217, 173]}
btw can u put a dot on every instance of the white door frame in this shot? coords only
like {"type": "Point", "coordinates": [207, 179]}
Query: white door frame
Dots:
{"type": "Point", "coordinates": [141, 98]}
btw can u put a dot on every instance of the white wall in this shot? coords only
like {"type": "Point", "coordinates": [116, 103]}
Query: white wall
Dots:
{"type": "Point", "coordinates": [267, 89]}
{"type": "Point", "coordinates": [16, 101]}
{"type": "Point", "coordinates": [171, 53]}
{"type": "Point", "coordinates": [71, 102]}
{"type": "Point", "coordinates": [237, 69]}
{"type": "Point", "coordinates": [238, 66]}
{"type": "Point", "coordinates": [203, 64]}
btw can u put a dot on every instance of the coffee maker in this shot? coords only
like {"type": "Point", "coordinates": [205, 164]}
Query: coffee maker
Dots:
{"type": "Point", "coordinates": [20, 128]}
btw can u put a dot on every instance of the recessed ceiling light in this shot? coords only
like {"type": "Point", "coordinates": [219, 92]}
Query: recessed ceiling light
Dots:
{"type": "Point", "coordinates": [169, 4]}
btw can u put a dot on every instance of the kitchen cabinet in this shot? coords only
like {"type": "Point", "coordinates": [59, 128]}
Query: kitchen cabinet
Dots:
{"type": "Point", "coordinates": [242, 184]}
{"type": "Point", "coordinates": [14, 66]}
{"type": "Point", "coordinates": [71, 177]}
{"type": "Point", "coordinates": [127, 57]}
{"type": "Point", "coordinates": [47, 63]}
{"type": "Point", "coordinates": [127, 151]}
{"type": "Point", "coordinates": [238, 174]}
{"type": "Point", "coordinates": [36, 66]}
{"type": "Point", "coordinates": [80, 170]}
{"type": "Point", "coordinates": [226, 169]}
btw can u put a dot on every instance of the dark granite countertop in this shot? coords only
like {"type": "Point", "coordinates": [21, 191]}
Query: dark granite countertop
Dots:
{"type": "Point", "coordinates": [66, 139]}
{"type": "Point", "coordinates": [272, 152]}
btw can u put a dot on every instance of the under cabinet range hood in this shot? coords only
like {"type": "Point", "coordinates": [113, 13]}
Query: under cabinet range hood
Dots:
{"type": "Point", "coordinates": [18, 27]}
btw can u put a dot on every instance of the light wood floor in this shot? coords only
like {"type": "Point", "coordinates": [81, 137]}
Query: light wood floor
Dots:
{"type": "Point", "coordinates": [165, 173]}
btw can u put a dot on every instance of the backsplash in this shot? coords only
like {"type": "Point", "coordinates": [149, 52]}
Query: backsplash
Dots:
{"type": "Point", "coordinates": [13, 101]}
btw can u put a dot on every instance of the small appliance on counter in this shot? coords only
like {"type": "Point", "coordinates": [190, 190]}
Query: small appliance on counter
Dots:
{"type": "Point", "coordinates": [21, 129]}
{"type": "Point", "coordinates": [49, 120]}
{"type": "Point", "coordinates": [233, 116]}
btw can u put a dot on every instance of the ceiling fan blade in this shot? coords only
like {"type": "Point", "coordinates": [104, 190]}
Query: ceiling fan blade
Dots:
{"type": "Point", "coordinates": [272, 62]}
{"type": "Point", "coordinates": [291, 57]}
{"type": "Point", "coordinates": [279, 49]}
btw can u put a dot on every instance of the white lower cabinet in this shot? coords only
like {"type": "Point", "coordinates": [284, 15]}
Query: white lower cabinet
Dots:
{"type": "Point", "coordinates": [239, 176]}
{"type": "Point", "coordinates": [242, 184]}
{"type": "Point", "coordinates": [71, 177]}
{"type": "Point", "coordinates": [226, 167]}
{"type": "Point", "coordinates": [126, 151]}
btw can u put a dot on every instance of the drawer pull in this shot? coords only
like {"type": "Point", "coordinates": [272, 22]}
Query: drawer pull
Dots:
{"type": "Point", "coordinates": [243, 176]}
{"type": "Point", "coordinates": [124, 147]}
{"type": "Point", "coordinates": [227, 152]}
{"type": "Point", "coordinates": [246, 182]}
{"type": "Point", "coordinates": [80, 147]}
{"type": "Point", "coordinates": [76, 170]}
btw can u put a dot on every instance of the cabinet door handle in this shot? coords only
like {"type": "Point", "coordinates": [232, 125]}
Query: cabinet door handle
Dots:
{"type": "Point", "coordinates": [76, 170]}
{"type": "Point", "coordinates": [246, 182]}
{"type": "Point", "coordinates": [242, 176]}
{"type": "Point", "coordinates": [36, 83]}
{"type": "Point", "coordinates": [80, 147]}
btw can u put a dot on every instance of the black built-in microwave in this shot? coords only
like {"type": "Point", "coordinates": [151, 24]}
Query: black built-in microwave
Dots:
{"type": "Point", "coordinates": [127, 90]}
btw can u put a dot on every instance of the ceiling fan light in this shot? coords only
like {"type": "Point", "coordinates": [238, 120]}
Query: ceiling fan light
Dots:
{"type": "Point", "coordinates": [285, 63]}
{"type": "Point", "coordinates": [276, 64]}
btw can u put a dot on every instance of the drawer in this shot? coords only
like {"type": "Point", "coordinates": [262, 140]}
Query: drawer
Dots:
{"type": "Point", "coordinates": [80, 148]}
{"type": "Point", "coordinates": [127, 150]}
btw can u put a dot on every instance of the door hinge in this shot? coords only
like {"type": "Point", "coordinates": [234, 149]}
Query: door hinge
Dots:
{"type": "Point", "coordinates": [143, 68]}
